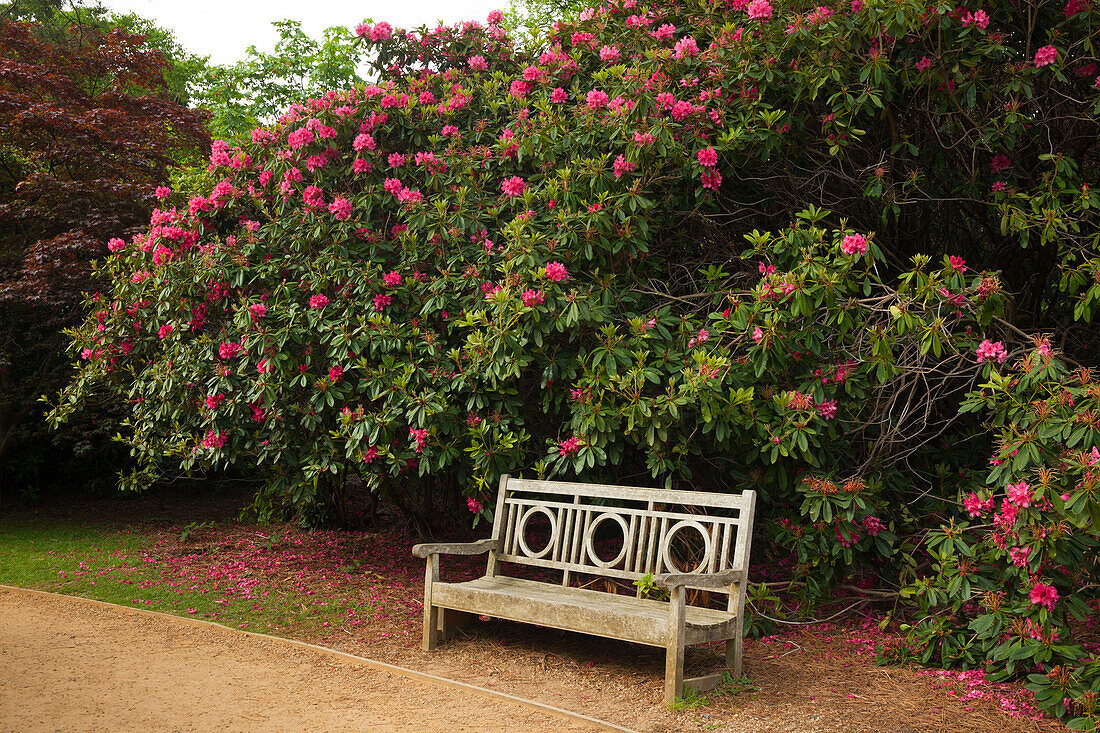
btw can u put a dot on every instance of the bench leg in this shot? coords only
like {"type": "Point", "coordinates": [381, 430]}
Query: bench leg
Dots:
{"type": "Point", "coordinates": [733, 653]}
{"type": "Point", "coordinates": [451, 620]}
{"type": "Point", "coordinates": [674, 653]}
{"type": "Point", "coordinates": [432, 614]}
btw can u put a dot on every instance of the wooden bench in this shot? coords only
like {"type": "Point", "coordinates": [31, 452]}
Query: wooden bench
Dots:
{"type": "Point", "coordinates": [648, 519]}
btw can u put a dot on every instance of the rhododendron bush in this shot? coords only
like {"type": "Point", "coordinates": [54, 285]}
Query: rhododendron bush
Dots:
{"type": "Point", "coordinates": [739, 245]}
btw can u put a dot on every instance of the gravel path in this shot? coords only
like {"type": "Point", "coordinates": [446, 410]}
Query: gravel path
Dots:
{"type": "Point", "coordinates": [67, 664]}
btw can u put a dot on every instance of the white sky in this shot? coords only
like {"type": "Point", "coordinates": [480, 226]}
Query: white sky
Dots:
{"type": "Point", "coordinates": [223, 29]}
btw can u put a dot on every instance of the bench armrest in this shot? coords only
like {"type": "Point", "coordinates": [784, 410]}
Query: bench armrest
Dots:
{"type": "Point", "coordinates": [455, 548]}
{"type": "Point", "coordinates": [668, 581]}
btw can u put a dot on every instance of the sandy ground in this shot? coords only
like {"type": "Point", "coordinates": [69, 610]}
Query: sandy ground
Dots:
{"type": "Point", "coordinates": [71, 665]}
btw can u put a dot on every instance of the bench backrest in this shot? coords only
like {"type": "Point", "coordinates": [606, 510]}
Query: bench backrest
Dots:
{"type": "Point", "coordinates": [649, 519]}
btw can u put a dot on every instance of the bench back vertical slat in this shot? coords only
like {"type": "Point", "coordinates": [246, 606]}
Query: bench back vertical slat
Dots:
{"type": "Point", "coordinates": [646, 522]}
{"type": "Point", "coordinates": [492, 568]}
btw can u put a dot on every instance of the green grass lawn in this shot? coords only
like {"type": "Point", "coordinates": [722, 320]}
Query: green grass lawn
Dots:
{"type": "Point", "coordinates": [271, 580]}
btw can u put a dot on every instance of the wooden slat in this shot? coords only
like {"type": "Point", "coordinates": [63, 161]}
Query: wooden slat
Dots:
{"type": "Point", "coordinates": [660, 566]}
{"type": "Point", "coordinates": [712, 560]}
{"type": "Point", "coordinates": [744, 534]}
{"type": "Point", "coordinates": [578, 535]}
{"type": "Point", "coordinates": [650, 559]}
{"type": "Point", "coordinates": [725, 551]}
{"type": "Point", "coordinates": [631, 493]}
{"type": "Point", "coordinates": [628, 543]}
{"type": "Point", "coordinates": [626, 511]}
{"type": "Point", "coordinates": [510, 537]}
{"type": "Point", "coordinates": [578, 609]}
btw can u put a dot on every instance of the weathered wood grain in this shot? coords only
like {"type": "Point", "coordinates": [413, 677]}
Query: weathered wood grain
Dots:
{"type": "Point", "coordinates": [648, 520]}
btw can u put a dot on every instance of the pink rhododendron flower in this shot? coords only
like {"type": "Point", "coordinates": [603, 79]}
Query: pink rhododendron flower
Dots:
{"type": "Point", "coordinates": [664, 32]}
{"type": "Point", "coordinates": [999, 163]}
{"type": "Point", "coordinates": [1019, 556]}
{"type": "Point", "coordinates": [558, 96]}
{"type": "Point", "coordinates": [644, 138]}
{"type": "Point", "coordinates": [846, 536]}
{"type": "Point", "coordinates": [1019, 494]}
{"type": "Point", "coordinates": [213, 440]}
{"type": "Point", "coordinates": [381, 32]}
{"type": "Point", "coordinates": [923, 64]}
{"type": "Point", "coordinates": [363, 141]}
{"type": "Point", "coordinates": [260, 136]}
{"type": "Point", "coordinates": [395, 160]}
{"type": "Point", "coordinates": [556, 271]}
{"type": "Point", "coordinates": [116, 245]}
{"type": "Point", "coordinates": [229, 349]}
{"type": "Point", "coordinates": [759, 10]}
{"type": "Point", "coordinates": [162, 192]}
{"type": "Point", "coordinates": [978, 18]}
{"type": "Point", "coordinates": [1045, 55]}
{"type": "Point", "coordinates": [609, 53]}
{"type": "Point", "coordinates": [707, 157]}
{"type": "Point", "coordinates": [827, 409]}
{"type": "Point", "coordinates": [336, 373]}
{"type": "Point", "coordinates": [1042, 594]}
{"type": "Point", "coordinates": [873, 525]}
{"type": "Point", "coordinates": [392, 279]}
{"type": "Point", "coordinates": [258, 310]}
{"type": "Point", "coordinates": [473, 504]}
{"type": "Point", "coordinates": [477, 63]}
{"type": "Point", "coordinates": [531, 298]}
{"type": "Point", "coordinates": [381, 301]}
{"type": "Point", "coordinates": [313, 197]}
{"type": "Point", "coordinates": [513, 186]}
{"type": "Point", "coordinates": [853, 244]}
{"type": "Point", "coordinates": [686, 48]}
{"type": "Point", "coordinates": [682, 109]}
{"type": "Point", "coordinates": [519, 88]}
{"type": "Point", "coordinates": [299, 138]}
{"type": "Point", "coordinates": [340, 208]}
{"type": "Point", "coordinates": [622, 166]}
{"type": "Point", "coordinates": [370, 454]}
{"type": "Point", "coordinates": [975, 506]}
{"type": "Point", "coordinates": [711, 179]}
{"type": "Point", "coordinates": [596, 99]}
{"type": "Point", "coordinates": [393, 186]}
{"type": "Point", "coordinates": [495, 17]}
{"type": "Point", "coordinates": [419, 436]}
{"type": "Point", "coordinates": [164, 330]}
{"type": "Point", "coordinates": [569, 446]}
{"type": "Point", "coordinates": [1094, 457]}
{"type": "Point", "coordinates": [757, 334]}
{"type": "Point", "coordinates": [1073, 7]}
{"type": "Point", "coordinates": [998, 186]}
{"type": "Point", "coordinates": [320, 300]}
{"type": "Point", "coordinates": [991, 350]}
{"type": "Point", "coordinates": [957, 263]}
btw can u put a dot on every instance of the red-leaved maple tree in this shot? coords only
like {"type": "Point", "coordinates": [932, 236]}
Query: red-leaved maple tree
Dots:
{"type": "Point", "coordinates": [87, 133]}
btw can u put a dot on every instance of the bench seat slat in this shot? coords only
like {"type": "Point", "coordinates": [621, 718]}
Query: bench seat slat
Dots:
{"type": "Point", "coordinates": [577, 609]}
